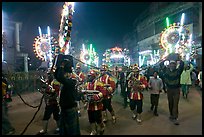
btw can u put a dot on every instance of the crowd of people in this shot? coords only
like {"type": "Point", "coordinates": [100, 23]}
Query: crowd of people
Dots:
{"type": "Point", "coordinates": [67, 88]}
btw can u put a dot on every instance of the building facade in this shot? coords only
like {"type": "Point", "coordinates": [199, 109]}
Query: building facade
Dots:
{"type": "Point", "coordinates": [13, 59]}
{"type": "Point", "coordinates": [152, 22]}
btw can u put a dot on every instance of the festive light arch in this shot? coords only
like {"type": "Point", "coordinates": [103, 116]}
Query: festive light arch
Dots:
{"type": "Point", "coordinates": [45, 47]}
{"type": "Point", "coordinates": [89, 55]}
{"type": "Point", "coordinates": [116, 56]}
{"type": "Point", "coordinates": [176, 38]}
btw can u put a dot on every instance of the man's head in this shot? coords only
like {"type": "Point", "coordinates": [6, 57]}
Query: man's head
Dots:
{"type": "Point", "coordinates": [136, 70]}
{"type": "Point", "coordinates": [155, 74]}
{"type": "Point", "coordinates": [78, 67]}
{"type": "Point", "coordinates": [172, 65]}
{"type": "Point", "coordinates": [67, 65]}
{"type": "Point", "coordinates": [103, 68]}
{"type": "Point", "coordinates": [91, 75]}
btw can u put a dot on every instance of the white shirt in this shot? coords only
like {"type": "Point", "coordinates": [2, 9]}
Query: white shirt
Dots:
{"type": "Point", "coordinates": [156, 85]}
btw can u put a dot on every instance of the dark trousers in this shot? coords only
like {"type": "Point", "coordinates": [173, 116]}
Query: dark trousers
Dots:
{"type": "Point", "coordinates": [6, 125]}
{"type": "Point", "coordinates": [69, 122]}
{"type": "Point", "coordinates": [51, 109]}
{"type": "Point", "coordinates": [126, 96]}
{"type": "Point", "coordinates": [173, 96]}
{"type": "Point", "coordinates": [154, 99]}
{"type": "Point", "coordinates": [136, 104]}
{"type": "Point", "coordinates": [107, 105]}
{"type": "Point", "coordinates": [122, 86]}
{"type": "Point", "coordinates": [95, 116]}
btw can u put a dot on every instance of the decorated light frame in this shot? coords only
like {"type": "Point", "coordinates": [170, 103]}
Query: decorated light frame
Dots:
{"type": "Point", "coordinates": [89, 55]}
{"type": "Point", "coordinates": [46, 46]}
{"type": "Point", "coordinates": [116, 53]}
{"type": "Point", "coordinates": [149, 57]}
{"type": "Point", "coordinates": [176, 38]}
{"type": "Point", "coordinates": [66, 27]}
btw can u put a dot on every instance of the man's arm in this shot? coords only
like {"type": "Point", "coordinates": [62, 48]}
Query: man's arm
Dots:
{"type": "Point", "coordinates": [62, 79]}
{"type": "Point", "coordinates": [181, 67]}
{"type": "Point", "coordinates": [191, 67]}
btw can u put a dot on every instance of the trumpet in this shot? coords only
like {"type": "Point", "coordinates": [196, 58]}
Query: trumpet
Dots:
{"type": "Point", "coordinates": [88, 94]}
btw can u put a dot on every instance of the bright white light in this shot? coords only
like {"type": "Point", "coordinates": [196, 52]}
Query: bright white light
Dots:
{"type": "Point", "coordinates": [48, 31]}
{"type": "Point", "coordinates": [166, 62]}
{"type": "Point", "coordinates": [182, 18]}
{"type": "Point", "coordinates": [187, 56]}
{"type": "Point", "coordinates": [144, 52]}
{"type": "Point", "coordinates": [90, 47]}
{"type": "Point", "coordinates": [72, 3]}
{"type": "Point", "coordinates": [83, 47]}
{"type": "Point", "coordinates": [182, 22]}
{"type": "Point", "coordinates": [65, 11]}
{"type": "Point", "coordinates": [40, 32]}
{"type": "Point", "coordinates": [117, 56]}
{"type": "Point", "coordinates": [49, 36]}
{"type": "Point", "coordinates": [2, 54]}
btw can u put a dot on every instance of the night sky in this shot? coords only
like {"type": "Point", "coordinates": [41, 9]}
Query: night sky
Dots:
{"type": "Point", "coordinates": [104, 24]}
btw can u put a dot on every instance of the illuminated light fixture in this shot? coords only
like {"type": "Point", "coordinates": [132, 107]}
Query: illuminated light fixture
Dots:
{"type": "Point", "coordinates": [116, 56]}
{"type": "Point", "coordinates": [167, 22]}
{"type": "Point", "coordinates": [144, 52]}
{"type": "Point", "coordinates": [40, 32]}
{"type": "Point", "coordinates": [83, 47]}
{"type": "Point", "coordinates": [182, 19]}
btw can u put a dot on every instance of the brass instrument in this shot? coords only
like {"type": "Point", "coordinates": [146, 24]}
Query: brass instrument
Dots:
{"type": "Point", "coordinates": [134, 83]}
{"type": "Point", "coordinates": [88, 95]}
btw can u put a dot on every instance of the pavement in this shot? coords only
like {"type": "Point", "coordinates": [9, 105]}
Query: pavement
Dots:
{"type": "Point", "coordinates": [190, 116]}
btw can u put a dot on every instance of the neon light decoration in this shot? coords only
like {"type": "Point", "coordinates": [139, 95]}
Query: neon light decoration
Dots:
{"type": "Point", "coordinates": [89, 55]}
{"type": "Point", "coordinates": [45, 46]}
{"type": "Point", "coordinates": [66, 27]}
{"type": "Point", "coordinates": [176, 38]}
{"type": "Point", "coordinates": [116, 56]}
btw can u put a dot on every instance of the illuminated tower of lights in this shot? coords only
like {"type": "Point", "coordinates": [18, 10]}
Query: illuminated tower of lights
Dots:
{"type": "Point", "coordinates": [66, 27]}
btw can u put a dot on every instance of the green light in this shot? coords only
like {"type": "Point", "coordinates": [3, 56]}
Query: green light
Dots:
{"type": "Point", "coordinates": [90, 47]}
{"type": "Point", "coordinates": [167, 22]}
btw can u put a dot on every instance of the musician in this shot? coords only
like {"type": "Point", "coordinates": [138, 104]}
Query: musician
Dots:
{"type": "Point", "coordinates": [52, 107]}
{"type": "Point", "coordinates": [137, 83]}
{"type": "Point", "coordinates": [110, 88]}
{"type": "Point", "coordinates": [95, 105]}
{"type": "Point", "coordinates": [81, 77]}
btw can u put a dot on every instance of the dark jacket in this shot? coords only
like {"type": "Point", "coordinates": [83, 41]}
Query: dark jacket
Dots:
{"type": "Point", "coordinates": [68, 93]}
{"type": "Point", "coordinates": [172, 78]}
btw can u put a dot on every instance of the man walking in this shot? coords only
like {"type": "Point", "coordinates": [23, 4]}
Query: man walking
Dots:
{"type": "Point", "coordinates": [155, 85]}
{"type": "Point", "coordinates": [172, 79]}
